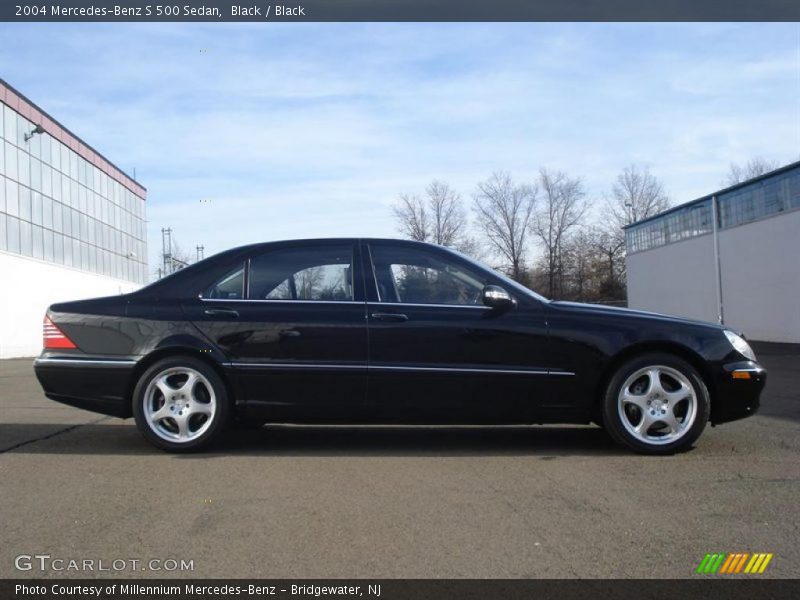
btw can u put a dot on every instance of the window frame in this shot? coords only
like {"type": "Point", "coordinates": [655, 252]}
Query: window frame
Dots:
{"type": "Point", "coordinates": [355, 265]}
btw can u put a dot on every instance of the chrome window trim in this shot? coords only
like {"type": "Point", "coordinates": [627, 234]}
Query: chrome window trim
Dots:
{"type": "Point", "coordinates": [401, 368]}
{"type": "Point", "coordinates": [374, 304]}
{"type": "Point", "coordinates": [282, 301]}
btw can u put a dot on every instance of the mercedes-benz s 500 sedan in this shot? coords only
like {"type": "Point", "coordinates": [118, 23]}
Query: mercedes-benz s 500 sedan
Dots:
{"type": "Point", "coordinates": [384, 331]}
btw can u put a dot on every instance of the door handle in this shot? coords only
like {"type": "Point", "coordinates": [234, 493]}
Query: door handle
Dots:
{"type": "Point", "coordinates": [382, 316]}
{"type": "Point", "coordinates": [288, 333]}
{"type": "Point", "coordinates": [221, 312]}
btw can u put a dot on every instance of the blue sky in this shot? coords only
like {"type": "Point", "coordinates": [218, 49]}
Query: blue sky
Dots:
{"type": "Point", "coordinates": [301, 130]}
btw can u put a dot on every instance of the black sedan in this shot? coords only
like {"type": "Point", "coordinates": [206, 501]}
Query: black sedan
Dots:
{"type": "Point", "coordinates": [385, 331]}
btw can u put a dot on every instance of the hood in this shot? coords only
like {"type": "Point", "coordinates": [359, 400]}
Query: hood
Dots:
{"type": "Point", "coordinates": [630, 312]}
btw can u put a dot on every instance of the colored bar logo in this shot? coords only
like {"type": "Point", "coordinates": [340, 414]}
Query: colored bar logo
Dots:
{"type": "Point", "coordinates": [733, 563]}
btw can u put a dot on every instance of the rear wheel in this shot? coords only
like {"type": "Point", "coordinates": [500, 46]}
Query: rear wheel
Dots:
{"type": "Point", "coordinates": [656, 404]}
{"type": "Point", "coordinates": [180, 404]}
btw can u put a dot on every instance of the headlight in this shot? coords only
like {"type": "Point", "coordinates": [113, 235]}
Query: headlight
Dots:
{"type": "Point", "coordinates": [740, 345]}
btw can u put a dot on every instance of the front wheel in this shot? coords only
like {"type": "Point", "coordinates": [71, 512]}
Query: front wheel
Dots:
{"type": "Point", "coordinates": [180, 404]}
{"type": "Point", "coordinates": [656, 404]}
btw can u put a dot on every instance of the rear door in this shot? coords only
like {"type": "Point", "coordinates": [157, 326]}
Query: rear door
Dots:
{"type": "Point", "coordinates": [437, 353]}
{"type": "Point", "coordinates": [292, 321]}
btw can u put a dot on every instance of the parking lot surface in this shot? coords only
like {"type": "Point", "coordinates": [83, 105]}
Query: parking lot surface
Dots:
{"type": "Point", "coordinates": [288, 501]}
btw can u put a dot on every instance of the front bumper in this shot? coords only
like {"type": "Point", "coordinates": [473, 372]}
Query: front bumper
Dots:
{"type": "Point", "coordinates": [97, 384]}
{"type": "Point", "coordinates": [737, 392]}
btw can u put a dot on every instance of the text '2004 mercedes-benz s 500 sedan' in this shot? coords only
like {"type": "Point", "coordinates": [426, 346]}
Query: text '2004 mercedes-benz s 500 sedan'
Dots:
{"type": "Point", "coordinates": [370, 331]}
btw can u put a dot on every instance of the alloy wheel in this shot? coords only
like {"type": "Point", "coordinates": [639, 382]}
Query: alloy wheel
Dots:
{"type": "Point", "coordinates": [657, 404]}
{"type": "Point", "coordinates": [179, 404]}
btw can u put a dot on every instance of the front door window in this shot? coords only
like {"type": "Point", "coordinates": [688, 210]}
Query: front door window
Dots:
{"type": "Point", "coordinates": [410, 275]}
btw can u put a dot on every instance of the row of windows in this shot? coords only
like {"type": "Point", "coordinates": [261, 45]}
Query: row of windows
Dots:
{"type": "Point", "coordinates": [57, 206]}
{"type": "Point", "coordinates": [324, 273]}
{"type": "Point", "coordinates": [689, 222]}
{"type": "Point", "coordinates": [48, 150]}
{"type": "Point", "coordinates": [750, 203]}
{"type": "Point", "coordinates": [31, 240]}
{"type": "Point", "coordinates": [36, 209]}
{"type": "Point", "coordinates": [93, 204]}
{"type": "Point", "coordinates": [768, 197]}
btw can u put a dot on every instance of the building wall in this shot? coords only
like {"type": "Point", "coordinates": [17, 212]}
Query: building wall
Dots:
{"type": "Point", "coordinates": [30, 286]}
{"type": "Point", "coordinates": [72, 225]}
{"type": "Point", "coordinates": [760, 271]}
{"type": "Point", "coordinates": [761, 278]}
{"type": "Point", "coordinates": [676, 279]}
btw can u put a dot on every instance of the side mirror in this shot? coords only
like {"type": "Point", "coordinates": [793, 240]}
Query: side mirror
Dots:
{"type": "Point", "coordinates": [497, 298]}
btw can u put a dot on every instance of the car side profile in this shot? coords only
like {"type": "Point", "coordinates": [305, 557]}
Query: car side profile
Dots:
{"type": "Point", "coordinates": [374, 331]}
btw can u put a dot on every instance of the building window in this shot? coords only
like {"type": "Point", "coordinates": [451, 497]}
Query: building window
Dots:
{"type": "Point", "coordinates": [760, 199]}
{"type": "Point", "coordinates": [681, 224]}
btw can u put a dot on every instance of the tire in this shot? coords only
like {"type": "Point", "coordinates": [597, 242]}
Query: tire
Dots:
{"type": "Point", "coordinates": [656, 404]}
{"type": "Point", "coordinates": [176, 414]}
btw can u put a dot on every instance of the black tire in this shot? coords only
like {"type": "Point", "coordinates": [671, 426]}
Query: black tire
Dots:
{"type": "Point", "coordinates": [649, 442]}
{"type": "Point", "coordinates": [211, 425]}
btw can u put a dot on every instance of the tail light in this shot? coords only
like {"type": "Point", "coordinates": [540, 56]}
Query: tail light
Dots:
{"type": "Point", "coordinates": [54, 338]}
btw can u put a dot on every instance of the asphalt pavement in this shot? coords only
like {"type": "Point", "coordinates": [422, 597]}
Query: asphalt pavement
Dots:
{"type": "Point", "coordinates": [387, 502]}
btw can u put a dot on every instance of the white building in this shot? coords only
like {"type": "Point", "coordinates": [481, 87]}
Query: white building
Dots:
{"type": "Point", "coordinates": [731, 257]}
{"type": "Point", "coordinates": [72, 225]}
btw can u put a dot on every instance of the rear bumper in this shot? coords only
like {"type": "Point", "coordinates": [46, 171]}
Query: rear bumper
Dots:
{"type": "Point", "coordinates": [97, 384]}
{"type": "Point", "coordinates": [738, 391]}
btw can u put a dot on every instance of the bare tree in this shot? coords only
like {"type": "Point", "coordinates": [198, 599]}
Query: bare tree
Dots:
{"type": "Point", "coordinates": [562, 209]}
{"type": "Point", "coordinates": [308, 282]}
{"type": "Point", "coordinates": [752, 168]}
{"type": "Point", "coordinates": [504, 210]}
{"type": "Point", "coordinates": [636, 195]}
{"type": "Point", "coordinates": [412, 218]}
{"type": "Point", "coordinates": [581, 259]}
{"type": "Point", "coordinates": [447, 215]}
{"type": "Point", "coordinates": [610, 245]}
{"type": "Point", "coordinates": [438, 218]}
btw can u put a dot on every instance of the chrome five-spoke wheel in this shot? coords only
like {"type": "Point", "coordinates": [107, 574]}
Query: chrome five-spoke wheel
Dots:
{"type": "Point", "coordinates": [180, 404]}
{"type": "Point", "coordinates": [657, 404]}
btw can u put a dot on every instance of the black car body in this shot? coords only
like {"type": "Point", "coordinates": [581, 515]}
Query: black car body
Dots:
{"type": "Point", "coordinates": [361, 346]}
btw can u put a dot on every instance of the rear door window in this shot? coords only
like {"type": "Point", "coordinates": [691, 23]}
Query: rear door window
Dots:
{"type": "Point", "coordinates": [310, 274]}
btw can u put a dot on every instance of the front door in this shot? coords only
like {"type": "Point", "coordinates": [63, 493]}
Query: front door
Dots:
{"type": "Point", "coordinates": [437, 353]}
{"type": "Point", "coordinates": [291, 320]}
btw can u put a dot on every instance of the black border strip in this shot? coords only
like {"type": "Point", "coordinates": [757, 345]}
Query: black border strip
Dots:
{"type": "Point", "coordinates": [406, 10]}
{"type": "Point", "coordinates": [706, 587]}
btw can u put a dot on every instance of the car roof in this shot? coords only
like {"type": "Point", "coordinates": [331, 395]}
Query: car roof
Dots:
{"type": "Point", "coordinates": [349, 240]}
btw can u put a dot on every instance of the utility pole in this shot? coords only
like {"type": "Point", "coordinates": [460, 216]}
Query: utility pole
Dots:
{"type": "Point", "coordinates": [166, 249]}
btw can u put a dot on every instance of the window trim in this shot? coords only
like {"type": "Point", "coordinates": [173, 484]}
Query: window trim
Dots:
{"type": "Point", "coordinates": [264, 300]}
{"type": "Point", "coordinates": [246, 265]}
